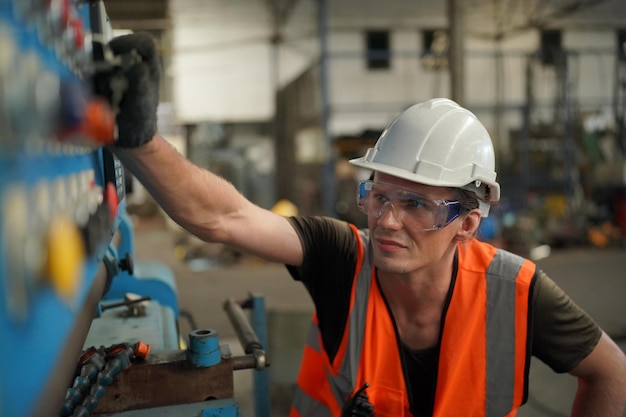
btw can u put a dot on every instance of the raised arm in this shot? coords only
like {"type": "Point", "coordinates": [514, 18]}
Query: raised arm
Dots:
{"type": "Point", "coordinates": [200, 201]}
{"type": "Point", "coordinates": [601, 382]}
{"type": "Point", "coordinates": [209, 206]}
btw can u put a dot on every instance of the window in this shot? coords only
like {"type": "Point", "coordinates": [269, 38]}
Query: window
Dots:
{"type": "Point", "coordinates": [551, 50]}
{"type": "Point", "coordinates": [377, 49]}
{"type": "Point", "coordinates": [621, 44]}
{"type": "Point", "coordinates": [435, 45]}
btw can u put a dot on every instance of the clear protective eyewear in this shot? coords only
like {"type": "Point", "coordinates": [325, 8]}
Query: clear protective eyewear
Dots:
{"type": "Point", "coordinates": [410, 208]}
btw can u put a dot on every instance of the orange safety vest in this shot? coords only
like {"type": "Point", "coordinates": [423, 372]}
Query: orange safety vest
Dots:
{"type": "Point", "coordinates": [484, 353]}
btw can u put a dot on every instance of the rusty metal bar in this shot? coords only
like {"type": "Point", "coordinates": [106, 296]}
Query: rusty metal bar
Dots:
{"type": "Point", "coordinates": [245, 333]}
{"type": "Point", "coordinates": [247, 337]}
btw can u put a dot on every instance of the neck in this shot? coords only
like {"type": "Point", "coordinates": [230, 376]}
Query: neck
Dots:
{"type": "Point", "coordinates": [417, 300]}
{"type": "Point", "coordinates": [416, 290]}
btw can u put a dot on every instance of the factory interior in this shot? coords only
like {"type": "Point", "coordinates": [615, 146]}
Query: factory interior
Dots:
{"type": "Point", "coordinates": [211, 331]}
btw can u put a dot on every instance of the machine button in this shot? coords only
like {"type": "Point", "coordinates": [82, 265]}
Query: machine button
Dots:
{"type": "Point", "coordinates": [65, 255]}
{"type": "Point", "coordinates": [7, 62]}
{"type": "Point", "coordinates": [110, 196]}
{"type": "Point", "coordinates": [85, 120]}
{"type": "Point", "coordinates": [99, 123]}
{"type": "Point", "coordinates": [15, 224]}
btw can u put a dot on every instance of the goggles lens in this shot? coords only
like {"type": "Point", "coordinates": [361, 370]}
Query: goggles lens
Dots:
{"type": "Point", "coordinates": [413, 209]}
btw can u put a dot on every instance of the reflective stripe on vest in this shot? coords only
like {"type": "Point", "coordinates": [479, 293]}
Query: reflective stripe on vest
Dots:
{"type": "Point", "coordinates": [321, 377]}
{"type": "Point", "coordinates": [501, 337]}
{"type": "Point", "coordinates": [483, 370]}
{"type": "Point", "coordinates": [484, 352]}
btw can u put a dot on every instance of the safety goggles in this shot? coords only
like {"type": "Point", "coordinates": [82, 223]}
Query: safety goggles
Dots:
{"type": "Point", "coordinates": [410, 208]}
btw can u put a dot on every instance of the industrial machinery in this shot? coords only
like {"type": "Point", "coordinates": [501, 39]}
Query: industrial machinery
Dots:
{"type": "Point", "coordinates": [84, 329]}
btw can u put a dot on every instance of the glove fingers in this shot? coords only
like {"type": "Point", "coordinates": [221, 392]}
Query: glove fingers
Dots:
{"type": "Point", "coordinates": [145, 46]}
{"type": "Point", "coordinates": [137, 121]}
{"type": "Point", "coordinates": [136, 118]}
{"type": "Point", "coordinates": [142, 42]}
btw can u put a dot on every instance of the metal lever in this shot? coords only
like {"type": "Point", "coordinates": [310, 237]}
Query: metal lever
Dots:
{"type": "Point", "coordinates": [128, 302]}
{"type": "Point", "coordinates": [245, 333]}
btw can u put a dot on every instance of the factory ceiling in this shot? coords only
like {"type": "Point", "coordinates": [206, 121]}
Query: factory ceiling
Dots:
{"type": "Point", "coordinates": [482, 17]}
{"type": "Point", "coordinates": [138, 15]}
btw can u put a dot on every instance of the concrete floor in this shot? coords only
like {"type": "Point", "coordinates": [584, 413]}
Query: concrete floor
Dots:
{"type": "Point", "coordinates": [594, 278]}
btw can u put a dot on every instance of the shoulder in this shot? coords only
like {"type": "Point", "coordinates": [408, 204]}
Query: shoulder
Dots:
{"type": "Point", "coordinates": [475, 254]}
{"type": "Point", "coordinates": [328, 244]}
{"type": "Point", "coordinates": [563, 333]}
{"type": "Point", "coordinates": [320, 228]}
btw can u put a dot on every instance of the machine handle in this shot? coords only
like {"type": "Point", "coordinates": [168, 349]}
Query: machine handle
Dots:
{"type": "Point", "coordinates": [245, 333]}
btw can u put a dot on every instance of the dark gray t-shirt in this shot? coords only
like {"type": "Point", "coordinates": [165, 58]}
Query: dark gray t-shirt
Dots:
{"type": "Point", "coordinates": [562, 333]}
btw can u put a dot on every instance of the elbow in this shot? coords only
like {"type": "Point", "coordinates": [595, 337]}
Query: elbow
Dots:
{"type": "Point", "coordinates": [208, 231]}
{"type": "Point", "coordinates": [602, 377]}
{"type": "Point", "coordinates": [190, 221]}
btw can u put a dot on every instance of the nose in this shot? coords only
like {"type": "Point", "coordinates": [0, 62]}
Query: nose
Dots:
{"type": "Point", "coordinates": [389, 218]}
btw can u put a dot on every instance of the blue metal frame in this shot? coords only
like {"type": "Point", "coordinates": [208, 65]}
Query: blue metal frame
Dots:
{"type": "Point", "coordinates": [260, 377]}
{"type": "Point", "coordinates": [213, 408]}
{"type": "Point", "coordinates": [149, 278]}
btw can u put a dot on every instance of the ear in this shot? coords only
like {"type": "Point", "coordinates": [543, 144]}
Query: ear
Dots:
{"type": "Point", "coordinates": [469, 225]}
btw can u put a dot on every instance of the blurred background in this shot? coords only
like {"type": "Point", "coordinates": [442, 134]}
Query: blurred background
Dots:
{"type": "Point", "coordinates": [277, 95]}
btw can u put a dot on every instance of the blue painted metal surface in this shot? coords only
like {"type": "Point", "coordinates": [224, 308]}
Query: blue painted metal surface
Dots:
{"type": "Point", "coordinates": [36, 330]}
{"type": "Point", "coordinates": [157, 328]}
{"type": "Point", "coordinates": [221, 412]}
{"type": "Point", "coordinates": [213, 408]}
{"type": "Point", "coordinates": [204, 349]}
{"type": "Point", "coordinates": [149, 278]}
{"type": "Point", "coordinates": [260, 377]}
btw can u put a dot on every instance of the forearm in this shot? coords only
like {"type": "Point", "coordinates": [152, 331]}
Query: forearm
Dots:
{"type": "Point", "coordinates": [201, 202]}
{"type": "Point", "coordinates": [601, 382]}
{"type": "Point", "coordinates": [606, 399]}
{"type": "Point", "coordinates": [193, 197]}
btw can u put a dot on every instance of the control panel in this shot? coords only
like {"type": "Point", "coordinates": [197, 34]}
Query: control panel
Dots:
{"type": "Point", "coordinates": [61, 194]}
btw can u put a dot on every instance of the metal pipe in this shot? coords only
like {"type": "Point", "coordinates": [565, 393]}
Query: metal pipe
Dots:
{"type": "Point", "coordinates": [457, 49]}
{"type": "Point", "coordinates": [328, 167]}
{"type": "Point", "coordinates": [245, 333]}
{"type": "Point", "coordinates": [125, 303]}
{"type": "Point", "coordinates": [250, 361]}
{"type": "Point", "coordinates": [244, 362]}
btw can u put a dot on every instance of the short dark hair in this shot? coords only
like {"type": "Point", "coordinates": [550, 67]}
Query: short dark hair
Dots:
{"type": "Point", "coordinates": [467, 199]}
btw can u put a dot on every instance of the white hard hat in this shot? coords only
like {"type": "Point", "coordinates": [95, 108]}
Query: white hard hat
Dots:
{"type": "Point", "coordinates": [438, 143]}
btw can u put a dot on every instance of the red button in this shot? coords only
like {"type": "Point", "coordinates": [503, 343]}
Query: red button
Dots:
{"type": "Point", "coordinates": [110, 196]}
{"type": "Point", "coordinates": [78, 32]}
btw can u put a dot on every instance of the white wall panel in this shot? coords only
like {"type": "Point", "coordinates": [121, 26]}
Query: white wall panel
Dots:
{"type": "Point", "coordinates": [592, 75]}
{"type": "Point", "coordinates": [225, 70]}
{"type": "Point", "coordinates": [378, 13]}
{"type": "Point", "coordinates": [221, 60]}
{"type": "Point", "coordinates": [232, 85]}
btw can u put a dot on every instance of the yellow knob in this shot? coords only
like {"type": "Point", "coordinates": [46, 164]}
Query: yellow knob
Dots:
{"type": "Point", "coordinates": [65, 254]}
{"type": "Point", "coordinates": [285, 208]}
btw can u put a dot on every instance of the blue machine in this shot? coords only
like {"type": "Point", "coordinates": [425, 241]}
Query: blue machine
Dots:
{"type": "Point", "coordinates": [75, 310]}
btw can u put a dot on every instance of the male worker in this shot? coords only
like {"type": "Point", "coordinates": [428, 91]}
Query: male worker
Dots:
{"type": "Point", "coordinates": [414, 316]}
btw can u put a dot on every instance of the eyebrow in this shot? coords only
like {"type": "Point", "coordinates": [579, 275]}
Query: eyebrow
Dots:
{"type": "Point", "coordinates": [412, 194]}
{"type": "Point", "coordinates": [408, 193]}
{"type": "Point", "coordinates": [452, 198]}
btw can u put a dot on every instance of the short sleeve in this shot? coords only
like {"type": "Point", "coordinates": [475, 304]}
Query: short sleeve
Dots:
{"type": "Point", "coordinates": [327, 271]}
{"type": "Point", "coordinates": [563, 333]}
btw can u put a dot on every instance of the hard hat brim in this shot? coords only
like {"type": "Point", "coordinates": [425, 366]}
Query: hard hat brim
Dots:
{"type": "Point", "coordinates": [413, 177]}
{"type": "Point", "coordinates": [400, 173]}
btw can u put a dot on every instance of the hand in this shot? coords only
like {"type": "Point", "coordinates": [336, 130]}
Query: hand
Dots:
{"type": "Point", "coordinates": [133, 88]}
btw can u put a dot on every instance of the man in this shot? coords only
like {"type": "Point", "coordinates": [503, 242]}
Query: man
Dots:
{"type": "Point", "coordinates": [414, 316]}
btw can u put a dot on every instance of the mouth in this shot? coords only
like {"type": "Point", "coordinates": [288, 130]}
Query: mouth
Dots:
{"type": "Point", "coordinates": [389, 245]}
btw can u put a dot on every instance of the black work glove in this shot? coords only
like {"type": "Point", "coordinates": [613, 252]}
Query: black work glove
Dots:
{"type": "Point", "coordinates": [132, 86]}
